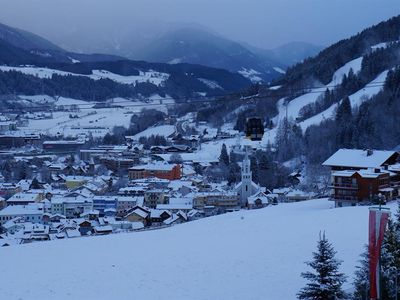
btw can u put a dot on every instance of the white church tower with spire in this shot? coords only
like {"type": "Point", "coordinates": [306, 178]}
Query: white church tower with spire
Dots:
{"type": "Point", "coordinates": [246, 187]}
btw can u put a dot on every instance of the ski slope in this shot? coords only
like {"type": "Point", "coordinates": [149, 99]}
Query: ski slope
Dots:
{"type": "Point", "coordinates": [292, 108]}
{"type": "Point", "coordinates": [254, 255]}
{"type": "Point", "coordinates": [356, 99]}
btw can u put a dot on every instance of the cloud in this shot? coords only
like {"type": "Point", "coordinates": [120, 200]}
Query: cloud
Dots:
{"type": "Point", "coordinates": [263, 23]}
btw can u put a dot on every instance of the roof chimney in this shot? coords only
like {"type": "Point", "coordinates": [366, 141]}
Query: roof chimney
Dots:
{"type": "Point", "coordinates": [370, 152]}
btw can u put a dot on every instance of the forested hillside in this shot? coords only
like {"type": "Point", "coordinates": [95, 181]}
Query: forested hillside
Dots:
{"type": "Point", "coordinates": [346, 97]}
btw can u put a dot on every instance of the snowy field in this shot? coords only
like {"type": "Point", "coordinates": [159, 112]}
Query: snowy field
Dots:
{"type": "Point", "coordinates": [254, 255]}
{"type": "Point", "coordinates": [156, 78]}
{"type": "Point", "coordinates": [97, 121]}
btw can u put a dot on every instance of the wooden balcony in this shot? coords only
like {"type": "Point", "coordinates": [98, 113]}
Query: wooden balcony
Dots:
{"type": "Point", "coordinates": [343, 198]}
{"type": "Point", "coordinates": [344, 186]}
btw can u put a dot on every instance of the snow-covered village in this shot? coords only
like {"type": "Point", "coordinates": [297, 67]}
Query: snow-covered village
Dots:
{"type": "Point", "coordinates": [173, 155]}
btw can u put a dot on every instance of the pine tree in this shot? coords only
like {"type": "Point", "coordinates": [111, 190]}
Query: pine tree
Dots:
{"type": "Point", "coordinates": [361, 281]}
{"type": "Point", "coordinates": [390, 264]}
{"type": "Point", "coordinates": [233, 173]}
{"type": "Point", "coordinates": [224, 157]}
{"type": "Point", "coordinates": [344, 113]}
{"type": "Point", "coordinates": [325, 283]}
{"type": "Point", "coordinates": [254, 168]}
{"type": "Point", "coordinates": [390, 261]}
{"type": "Point", "coordinates": [35, 184]}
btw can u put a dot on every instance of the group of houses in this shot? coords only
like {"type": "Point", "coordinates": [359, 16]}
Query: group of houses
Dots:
{"type": "Point", "coordinates": [156, 195]}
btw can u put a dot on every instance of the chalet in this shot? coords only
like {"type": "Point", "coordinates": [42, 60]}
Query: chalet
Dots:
{"type": "Point", "coordinates": [14, 225]}
{"type": "Point", "coordinates": [297, 195]}
{"type": "Point", "coordinates": [355, 159]}
{"type": "Point", "coordinates": [177, 218]}
{"type": "Point", "coordinates": [91, 215]}
{"type": "Point", "coordinates": [138, 214]}
{"type": "Point", "coordinates": [103, 230]}
{"type": "Point", "coordinates": [177, 149]}
{"type": "Point", "coordinates": [159, 216]}
{"type": "Point", "coordinates": [362, 176]}
{"type": "Point", "coordinates": [258, 200]}
{"type": "Point", "coordinates": [352, 187]}
{"type": "Point", "coordinates": [35, 232]}
{"type": "Point", "coordinates": [85, 227]}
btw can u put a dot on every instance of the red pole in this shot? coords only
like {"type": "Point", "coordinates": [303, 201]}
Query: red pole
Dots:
{"type": "Point", "coordinates": [378, 219]}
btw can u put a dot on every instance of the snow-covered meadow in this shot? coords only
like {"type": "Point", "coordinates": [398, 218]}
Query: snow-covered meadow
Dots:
{"type": "Point", "coordinates": [97, 121]}
{"type": "Point", "coordinates": [256, 254]}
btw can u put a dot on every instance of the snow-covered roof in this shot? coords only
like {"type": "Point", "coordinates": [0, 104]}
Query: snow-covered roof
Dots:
{"type": "Point", "coordinates": [359, 158]}
{"type": "Point", "coordinates": [105, 228]}
{"type": "Point", "coordinates": [261, 196]}
{"type": "Point", "coordinates": [156, 213]}
{"type": "Point", "coordinates": [363, 173]}
{"type": "Point", "coordinates": [140, 213]}
{"type": "Point", "coordinates": [17, 210]}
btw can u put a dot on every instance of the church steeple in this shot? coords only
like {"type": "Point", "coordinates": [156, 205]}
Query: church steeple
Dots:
{"type": "Point", "coordinates": [246, 171]}
{"type": "Point", "coordinates": [246, 185]}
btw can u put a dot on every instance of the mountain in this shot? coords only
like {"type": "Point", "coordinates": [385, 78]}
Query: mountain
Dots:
{"type": "Point", "coordinates": [199, 46]}
{"type": "Point", "coordinates": [25, 40]}
{"type": "Point", "coordinates": [288, 54]}
{"type": "Point", "coordinates": [53, 71]}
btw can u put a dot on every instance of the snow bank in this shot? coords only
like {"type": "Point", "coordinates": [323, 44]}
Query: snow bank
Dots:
{"type": "Point", "coordinates": [254, 255]}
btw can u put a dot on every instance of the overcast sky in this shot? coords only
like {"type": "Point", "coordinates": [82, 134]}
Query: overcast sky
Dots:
{"type": "Point", "coordinates": [262, 23]}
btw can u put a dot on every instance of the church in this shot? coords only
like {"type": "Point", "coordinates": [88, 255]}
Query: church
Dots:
{"type": "Point", "coordinates": [246, 187]}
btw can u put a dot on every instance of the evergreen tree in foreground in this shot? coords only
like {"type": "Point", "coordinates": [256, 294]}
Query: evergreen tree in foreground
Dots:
{"type": "Point", "coordinates": [325, 282]}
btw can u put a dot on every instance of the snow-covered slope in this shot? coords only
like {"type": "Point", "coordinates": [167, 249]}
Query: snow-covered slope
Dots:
{"type": "Point", "coordinates": [163, 130]}
{"type": "Point", "coordinates": [254, 255]}
{"type": "Point", "coordinates": [356, 99]}
{"type": "Point", "coordinates": [337, 77]}
{"type": "Point", "coordinates": [153, 77]}
{"type": "Point", "coordinates": [292, 109]}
